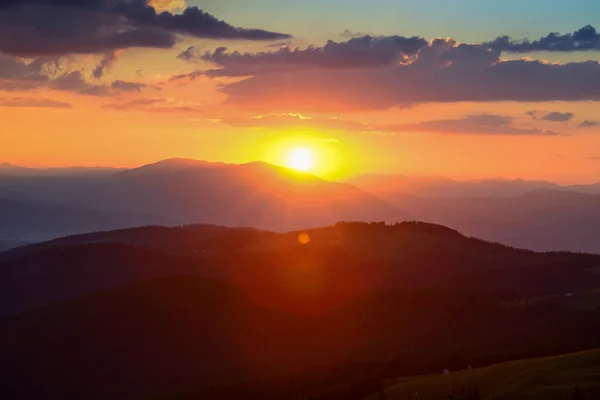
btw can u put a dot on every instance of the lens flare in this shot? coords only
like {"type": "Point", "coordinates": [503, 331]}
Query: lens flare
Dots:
{"type": "Point", "coordinates": [303, 238]}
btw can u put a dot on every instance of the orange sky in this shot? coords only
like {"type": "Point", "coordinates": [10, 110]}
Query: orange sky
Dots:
{"type": "Point", "coordinates": [193, 119]}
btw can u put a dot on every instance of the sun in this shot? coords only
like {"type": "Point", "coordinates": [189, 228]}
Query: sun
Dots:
{"type": "Point", "coordinates": [301, 159]}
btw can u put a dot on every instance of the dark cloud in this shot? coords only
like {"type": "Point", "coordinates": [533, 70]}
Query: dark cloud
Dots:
{"type": "Point", "coordinates": [107, 62]}
{"type": "Point", "coordinates": [188, 77]}
{"type": "Point", "coordinates": [126, 86]}
{"type": "Point", "coordinates": [589, 124]}
{"type": "Point", "coordinates": [556, 116]}
{"type": "Point", "coordinates": [193, 21]}
{"type": "Point", "coordinates": [586, 38]}
{"type": "Point", "coordinates": [33, 103]}
{"type": "Point", "coordinates": [362, 52]}
{"type": "Point", "coordinates": [33, 29]}
{"type": "Point", "coordinates": [189, 54]}
{"type": "Point", "coordinates": [278, 45]}
{"type": "Point", "coordinates": [16, 74]}
{"type": "Point", "coordinates": [75, 82]}
{"type": "Point", "coordinates": [19, 75]}
{"type": "Point", "coordinates": [484, 124]}
{"type": "Point", "coordinates": [351, 34]}
{"type": "Point", "coordinates": [445, 71]}
{"type": "Point", "coordinates": [156, 105]}
{"type": "Point", "coordinates": [36, 27]}
{"type": "Point", "coordinates": [488, 124]}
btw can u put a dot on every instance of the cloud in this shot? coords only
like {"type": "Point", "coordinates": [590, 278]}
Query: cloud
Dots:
{"type": "Point", "coordinates": [33, 103]}
{"type": "Point", "coordinates": [192, 76]}
{"type": "Point", "coordinates": [297, 121]}
{"type": "Point", "coordinates": [488, 124]}
{"type": "Point", "coordinates": [444, 71]}
{"type": "Point", "coordinates": [166, 105]}
{"type": "Point", "coordinates": [557, 116]}
{"type": "Point", "coordinates": [195, 22]}
{"type": "Point", "coordinates": [126, 86]}
{"type": "Point", "coordinates": [16, 74]}
{"type": "Point", "coordinates": [109, 59]}
{"type": "Point", "coordinates": [589, 124]}
{"type": "Point", "coordinates": [75, 82]}
{"type": "Point", "coordinates": [33, 28]}
{"type": "Point", "coordinates": [277, 45]}
{"type": "Point", "coordinates": [38, 27]}
{"type": "Point", "coordinates": [190, 54]}
{"type": "Point", "coordinates": [585, 39]}
{"type": "Point", "coordinates": [352, 34]}
{"type": "Point", "coordinates": [360, 52]}
{"type": "Point", "coordinates": [484, 124]}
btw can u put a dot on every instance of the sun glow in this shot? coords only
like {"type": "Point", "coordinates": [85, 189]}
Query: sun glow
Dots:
{"type": "Point", "coordinates": [301, 159]}
{"type": "Point", "coordinates": [315, 153]}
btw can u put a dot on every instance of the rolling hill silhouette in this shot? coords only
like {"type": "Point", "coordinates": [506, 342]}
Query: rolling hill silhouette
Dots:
{"type": "Point", "coordinates": [155, 312]}
{"type": "Point", "coordinates": [339, 263]}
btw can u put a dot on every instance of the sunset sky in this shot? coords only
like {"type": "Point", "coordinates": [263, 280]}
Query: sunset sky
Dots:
{"type": "Point", "coordinates": [463, 88]}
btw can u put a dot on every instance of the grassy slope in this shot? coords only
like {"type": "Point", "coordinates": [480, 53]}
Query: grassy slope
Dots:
{"type": "Point", "coordinates": [541, 378]}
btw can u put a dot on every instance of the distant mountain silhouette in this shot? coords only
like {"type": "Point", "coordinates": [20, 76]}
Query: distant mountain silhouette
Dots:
{"type": "Point", "coordinates": [11, 170]}
{"type": "Point", "coordinates": [536, 215]}
{"type": "Point", "coordinates": [542, 220]}
{"type": "Point", "coordinates": [35, 221]}
{"type": "Point", "coordinates": [435, 187]}
{"type": "Point", "coordinates": [256, 194]}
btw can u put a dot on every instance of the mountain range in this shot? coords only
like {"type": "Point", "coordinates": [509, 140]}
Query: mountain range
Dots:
{"type": "Point", "coordinates": [536, 215]}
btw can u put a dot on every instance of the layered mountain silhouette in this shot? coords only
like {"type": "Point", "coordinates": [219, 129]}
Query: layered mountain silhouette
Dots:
{"type": "Point", "coordinates": [188, 191]}
{"type": "Point", "coordinates": [438, 187]}
{"type": "Point", "coordinates": [22, 221]}
{"type": "Point", "coordinates": [160, 312]}
{"type": "Point", "coordinates": [535, 215]}
{"type": "Point", "coordinates": [542, 220]}
{"type": "Point", "coordinates": [10, 170]}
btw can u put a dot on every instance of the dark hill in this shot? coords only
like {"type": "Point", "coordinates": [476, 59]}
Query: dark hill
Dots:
{"type": "Point", "coordinates": [181, 334]}
{"type": "Point", "coordinates": [143, 340]}
{"type": "Point", "coordinates": [150, 237]}
{"type": "Point", "coordinates": [339, 263]}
